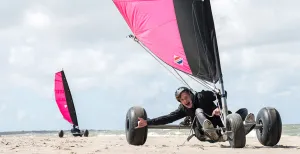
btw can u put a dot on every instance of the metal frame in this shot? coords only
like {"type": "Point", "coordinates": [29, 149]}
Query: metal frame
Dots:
{"type": "Point", "coordinates": [246, 125]}
{"type": "Point", "coordinates": [169, 127]}
{"type": "Point", "coordinates": [188, 127]}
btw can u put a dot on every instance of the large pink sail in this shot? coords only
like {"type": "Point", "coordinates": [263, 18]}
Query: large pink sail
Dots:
{"type": "Point", "coordinates": [154, 23]}
{"type": "Point", "coordinates": [60, 97]}
{"type": "Point", "coordinates": [179, 32]}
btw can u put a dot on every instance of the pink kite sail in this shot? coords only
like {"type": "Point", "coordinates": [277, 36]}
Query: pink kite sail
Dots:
{"type": "Point", "coordinates": [64, 99]}
{"type": "Point", "coordinates": [179, 32]}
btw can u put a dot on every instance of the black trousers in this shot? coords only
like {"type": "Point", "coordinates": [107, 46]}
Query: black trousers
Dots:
{"type": "Point", "coordinates": [216, 120]}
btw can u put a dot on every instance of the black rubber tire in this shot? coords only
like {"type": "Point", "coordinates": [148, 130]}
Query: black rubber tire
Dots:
{"type": "Point", "coordinates": [61, 133]}
{"type": "Point", "coordinates": [135, 136]}
{"type": "Point", "coordinates": [270, 133]}
{"type": "Point", "coordinates": [243, 112]}
{"type": "Point", "coordinates": [235, 124]}
{"type": "Point", "coordinates": [86, 133]}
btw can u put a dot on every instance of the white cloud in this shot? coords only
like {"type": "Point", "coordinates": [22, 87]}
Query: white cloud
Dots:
{"type": "Point", "coordinates": [37, 19]}
{"type": "Point", "coordinates": [107, 72]}
{"type": "Point", "coordinates": [246, 23]}
{"type": "Point", "coordinates": [22, 56]}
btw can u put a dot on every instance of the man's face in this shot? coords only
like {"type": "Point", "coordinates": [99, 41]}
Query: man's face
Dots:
{"type": "Point", "coordinates": [185, 99]}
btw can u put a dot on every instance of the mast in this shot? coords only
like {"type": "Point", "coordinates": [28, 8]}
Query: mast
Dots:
{"type": "Point", "coordinates": [218, 63]}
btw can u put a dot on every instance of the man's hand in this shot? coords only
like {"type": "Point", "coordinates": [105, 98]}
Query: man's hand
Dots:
{"type": "Point", "coordinates": [216, 112]}
{"type": "Point", "coordinates": [141, 123]}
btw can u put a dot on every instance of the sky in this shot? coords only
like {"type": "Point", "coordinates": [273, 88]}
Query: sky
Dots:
{"type": "Point", "coordinates": [109, 73]}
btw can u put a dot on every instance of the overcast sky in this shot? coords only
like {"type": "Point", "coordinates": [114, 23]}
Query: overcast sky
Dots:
{"type": "Point", "coordinates": [108, 73]}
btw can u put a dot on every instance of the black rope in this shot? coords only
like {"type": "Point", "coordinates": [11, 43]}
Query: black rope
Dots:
{"type": "Point", "coordinates": [182, 78]}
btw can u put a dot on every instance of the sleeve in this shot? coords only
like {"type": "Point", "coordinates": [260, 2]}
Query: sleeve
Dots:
{"type": "Point", "coordinates": [169, 118]}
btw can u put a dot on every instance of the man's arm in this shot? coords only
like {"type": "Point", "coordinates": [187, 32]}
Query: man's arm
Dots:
{"type": "Point", "coordinates": [162, 120]}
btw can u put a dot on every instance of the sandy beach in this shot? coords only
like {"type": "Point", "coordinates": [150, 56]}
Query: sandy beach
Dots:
{"type": "Point", "coordinates": [35, 144]}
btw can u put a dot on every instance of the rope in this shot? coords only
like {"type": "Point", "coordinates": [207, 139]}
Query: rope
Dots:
{"type": "Point", "coordinates": [182, 80]}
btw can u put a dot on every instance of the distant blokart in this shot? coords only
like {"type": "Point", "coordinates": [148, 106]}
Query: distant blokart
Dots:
{"type": "Point", "coordinates": [84, 133]}
{"type": "Point", "coordinates": [181, 33]}
{"type": "Point", "coordinates": [65, 104]}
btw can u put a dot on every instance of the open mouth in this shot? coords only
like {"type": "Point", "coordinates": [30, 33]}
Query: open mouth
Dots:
{"type": "Point", "coordinates": [188, 104]}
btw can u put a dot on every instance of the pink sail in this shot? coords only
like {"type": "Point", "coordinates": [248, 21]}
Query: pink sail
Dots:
{"type": "Point", "coordinates": [154, 23]}
{"type": "Point", "coordinates": [60, 97]}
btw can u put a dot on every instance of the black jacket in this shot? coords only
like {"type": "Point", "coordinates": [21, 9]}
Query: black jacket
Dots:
{"type": "Point", "coordinates": [203, 100]}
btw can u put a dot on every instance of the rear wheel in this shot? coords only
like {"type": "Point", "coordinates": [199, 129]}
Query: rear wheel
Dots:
{"type": "Point", "coordinates": [86, 133]}
{"type": "Point", "coordinates": [234, 123]}
{"type": "Point", "coordinates": [270, 133]}
{"type": "Point", "coordinates": [61, 133]}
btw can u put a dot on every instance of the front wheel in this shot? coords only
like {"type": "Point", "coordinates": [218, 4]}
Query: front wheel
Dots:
{"type": "Point", "coordinates": [135, 136]}
{"type": "Point", "coordinates": [234, 123]}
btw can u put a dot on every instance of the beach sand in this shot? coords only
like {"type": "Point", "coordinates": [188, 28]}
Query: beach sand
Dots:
{"type": "Point", "coordinates": [34, 144]}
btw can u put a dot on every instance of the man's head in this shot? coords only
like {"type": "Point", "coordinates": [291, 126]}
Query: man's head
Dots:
{"type": "Point", "coordinates": [183, 95]}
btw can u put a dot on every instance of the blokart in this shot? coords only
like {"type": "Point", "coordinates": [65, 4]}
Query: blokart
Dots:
{"type": "Point", "coordinates": [181, 34]}
{"type": "Point", "coordinates": [64, 101]}
{"type": "Point", "coordinates": [84, 133]}
{"type": "Point", "coordinates": [267, 124]}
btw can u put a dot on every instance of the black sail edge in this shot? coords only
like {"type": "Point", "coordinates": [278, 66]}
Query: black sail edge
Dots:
{"type": "Point", "coordinates": [69, 99]}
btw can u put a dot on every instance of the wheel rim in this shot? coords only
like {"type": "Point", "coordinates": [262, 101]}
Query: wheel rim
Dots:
{"type": "Point", "coordinates": [260, 129]}
{"type": "Point", "coordinates": [127, 124]}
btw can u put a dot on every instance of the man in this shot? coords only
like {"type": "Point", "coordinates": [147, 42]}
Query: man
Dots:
{"type": "Point", "coordinates": [200, 105]}
{"type": "Point", "coordinates": [75, 131]}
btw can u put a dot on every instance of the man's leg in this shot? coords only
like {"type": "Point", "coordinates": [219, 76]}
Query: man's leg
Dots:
{"type": "Point", "coordinates": [206, 125]}
{"type": "Point", "coordinates": [243, 112]}
{"type": "Point", "coordinates": [216, 121]}
{"type": "Point", "coordinates": [248, 118]}
{"type": "Point", "coordinates": [249, 123]}
{"type": "Point", "coordinates": [199, 134]}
